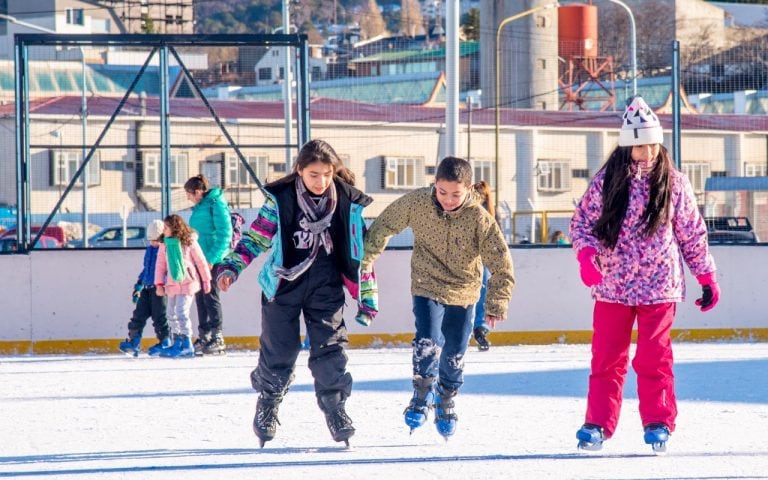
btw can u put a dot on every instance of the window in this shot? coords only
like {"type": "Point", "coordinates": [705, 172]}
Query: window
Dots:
{"type": "Point", "coordinates": [238, 175]}
{"type": "Point", "coordinates": [484, 170]}
{"type": "Point", "coordinates": [554, 175]}
{"type": "Point", "coordinates": [265, 73]}
{"type": "Point", "coordinates": [541, 21]}
{"type": "Point", "coordinates": [403, 172]}
{"type": "Point", "coordinates": [179, 169]}
{"type": "Point", "coordinates": [75, 16]}
{"type": "Point", "coordinates": [755, 170]}
{"type": "Point", "coordinates": [697, 173]}
{"type": "Point", "coordinates": [541, 63]}
{"type": "Point", "coordinates": [64, 165]}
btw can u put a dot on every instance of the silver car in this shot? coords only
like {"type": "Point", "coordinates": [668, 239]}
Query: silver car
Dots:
{"type": "Point", "coordinates": [112, 237]}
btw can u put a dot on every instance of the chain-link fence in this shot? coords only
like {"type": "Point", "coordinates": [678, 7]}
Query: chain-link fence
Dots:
{"type": "Point", "coordinates": [381, 103]}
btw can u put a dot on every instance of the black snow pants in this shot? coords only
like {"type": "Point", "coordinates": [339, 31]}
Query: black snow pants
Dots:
{"type": "Point", "coordinates": [319, 295]}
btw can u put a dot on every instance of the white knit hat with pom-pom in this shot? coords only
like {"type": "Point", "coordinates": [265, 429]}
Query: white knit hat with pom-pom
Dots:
{"type": "Point", "coordinates": [640, 125]}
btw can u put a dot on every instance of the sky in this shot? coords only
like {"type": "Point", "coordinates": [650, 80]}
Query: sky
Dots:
{"type": "Point", "coordinates": [119, 417]}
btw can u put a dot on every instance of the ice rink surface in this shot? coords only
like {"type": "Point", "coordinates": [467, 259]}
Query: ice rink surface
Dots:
{"type": "Point", "coordinates": [115, 417]}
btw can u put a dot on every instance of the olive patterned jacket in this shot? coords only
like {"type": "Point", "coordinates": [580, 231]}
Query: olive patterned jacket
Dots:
{"type": "Point", "coordinates": [449, 250]}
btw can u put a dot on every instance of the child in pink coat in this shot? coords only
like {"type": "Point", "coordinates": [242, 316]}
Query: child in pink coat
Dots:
{"type": "Point", "coordinates": [634, 227]}
{"type": "Point", "coordinates": [180, 273]}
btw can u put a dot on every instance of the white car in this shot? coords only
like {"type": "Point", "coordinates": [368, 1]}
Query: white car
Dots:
{"type": "Point", "coordinates": [112, 237]}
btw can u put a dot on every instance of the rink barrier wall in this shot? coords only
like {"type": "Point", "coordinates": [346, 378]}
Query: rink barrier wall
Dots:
{"type": "Point", "coordinates": [80, 302]}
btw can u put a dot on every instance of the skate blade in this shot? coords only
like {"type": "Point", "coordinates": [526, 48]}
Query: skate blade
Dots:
{"type": "Point", "coordinates": [660, 448]}
{"type": "Point", "coordinates": [589, 447]}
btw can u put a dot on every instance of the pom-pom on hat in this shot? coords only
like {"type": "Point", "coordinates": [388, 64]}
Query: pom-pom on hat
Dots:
{"type": "Point", "coordinates": [155, 229]}
{"type": "Point", "coordinates": [640, 125]}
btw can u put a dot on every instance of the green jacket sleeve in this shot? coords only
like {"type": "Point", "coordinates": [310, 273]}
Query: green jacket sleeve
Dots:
{"type": "Point", "coordinates": [495, 256]}
{"type": "Point", "coordinates": [393, 220]}
{"type": "Point", "coordinates": [222, 231]}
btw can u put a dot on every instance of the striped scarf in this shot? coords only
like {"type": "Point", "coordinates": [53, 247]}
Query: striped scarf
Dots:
{"type": "Point", "coordinates": [316, 220]}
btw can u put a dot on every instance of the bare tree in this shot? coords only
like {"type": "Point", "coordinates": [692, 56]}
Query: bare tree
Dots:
{"type": "Point", "coordinates": [411, 21]}
{"type": "Point", "coordinates": [371, 21]}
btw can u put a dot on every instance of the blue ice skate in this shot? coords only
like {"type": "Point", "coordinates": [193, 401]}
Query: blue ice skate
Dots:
{"type": "Point", "coordinates": [590, 437]}
{"type": "Point", "coordinates": [445, 418]}
{"type": "Point", "coordinates": [656, 435]}
{"type": "Point", "coordinates": [417, 412]}
{"type": "Point", "coordinates": [163, 344]}
{"type": "Point", "coordinates": [182, 347]}
{"type": "Point", "coordinates": [131, 345]}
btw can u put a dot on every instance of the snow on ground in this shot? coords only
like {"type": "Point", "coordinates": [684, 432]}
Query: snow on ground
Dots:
{"type": "Point", "coordinates": [112, 416]}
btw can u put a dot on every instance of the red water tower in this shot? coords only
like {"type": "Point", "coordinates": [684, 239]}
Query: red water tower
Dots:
{"type": "Point", "coordinates": [585, 76]}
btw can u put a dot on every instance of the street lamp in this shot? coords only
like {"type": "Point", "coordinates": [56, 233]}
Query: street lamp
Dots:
{"type": "Point", "coordinates": [498, 81]}
{"type": "Point", "coordinates": [633, 45]}
{"type": "Point", "coordinates": [83, 110]}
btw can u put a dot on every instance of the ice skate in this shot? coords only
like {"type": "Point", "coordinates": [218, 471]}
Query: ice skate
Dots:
{"type": "Point", "coordinates": [481, 337]}
{"type": "Point", "coordinates": [417, 412]}
{"type": "Point", "coordinates": [131, 345]}
{"type": "Point", "coordinates": [215, 345]}
{"type": "Point", "coordinates": [163, 344]}
{"type": "Point", "coordinates": [202, 340]}
{"type": "Point", "coordinates": [445, 418]}
{"type": "Point", "coordinates": [181, 348]}
{"type": "Point", "coordinates": [265, 421]}
{"type": "Point", "coordinates": [339, 423]}
{"type": "Point", "coordinates": [590, 437]}
{"type": "Point", "coordinates": [656, 435]}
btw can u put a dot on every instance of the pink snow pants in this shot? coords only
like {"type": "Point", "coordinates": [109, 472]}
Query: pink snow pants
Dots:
{"type": "Point", "coordinates": [612, 324]}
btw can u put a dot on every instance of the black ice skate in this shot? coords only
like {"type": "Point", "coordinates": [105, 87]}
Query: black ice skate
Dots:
{"type": "Point", "coordinates": [339, 423]}
{"type": "Point", "coordinates": [265, 421]}
{"type": "Point", "coordinates": [481, 337]}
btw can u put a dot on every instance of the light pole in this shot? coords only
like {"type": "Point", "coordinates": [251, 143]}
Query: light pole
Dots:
{"type": "Point", "coordinates": [498, 81]}
{"type": "Point", "coordinates": [633, 45]}
{"type": "Point", "coordinates": [83, 110]}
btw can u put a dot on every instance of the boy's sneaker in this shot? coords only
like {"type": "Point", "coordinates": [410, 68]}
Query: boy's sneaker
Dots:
{"type": "Point", "coordinates": [182, 347]}
{"type": "Point", "coordinates": [131, 345]}
{"type": "Point", "coordinates": [155, 349]}
{"type": "Point", "coordinates": [656, 435]}
{"type": "Point", "coordinates": [215, 345]}
{"type": "Point", "coordinates": [590, 437]}
{"type": "Point", "coordinates": [481, 337]}
{"type": "Point", "coordinates": [445, 418]}
{"type": "Point", "coordinates": [265, 421]}
{"type": "Point", "coordinates": [417, 412]}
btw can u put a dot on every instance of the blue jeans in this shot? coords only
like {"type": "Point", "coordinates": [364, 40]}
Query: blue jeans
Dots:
{"type": "Point", "coordinates": [442, 335]}
{"type": "Point", "coordinates": [480, 305]}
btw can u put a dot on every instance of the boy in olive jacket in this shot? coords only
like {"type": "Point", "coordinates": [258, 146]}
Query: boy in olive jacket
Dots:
{"type": "Point", "coordinates": [454, 236]}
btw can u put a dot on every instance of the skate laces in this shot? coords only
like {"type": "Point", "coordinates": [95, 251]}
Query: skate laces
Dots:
{"type": "Point", "coordinates": [339, 420]}
{"type": "Point", "coordinates": [266, 416]}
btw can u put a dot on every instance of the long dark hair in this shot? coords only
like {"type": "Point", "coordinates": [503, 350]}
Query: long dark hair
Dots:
{"type": "Point", "coordinates": [618, 176]}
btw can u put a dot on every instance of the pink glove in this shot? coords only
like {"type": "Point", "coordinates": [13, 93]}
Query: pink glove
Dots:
{"type": "Point", "coordinates": [590, 275]}
{"type": "Point", "coordinates": [710, 292]}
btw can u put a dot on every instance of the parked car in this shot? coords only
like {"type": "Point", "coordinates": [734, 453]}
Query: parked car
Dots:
{"type": "Point", "coordinates": [53, 231]}
{"type": "Point", "coordinates": [723, 230]}
{"type": "Point", "coordinates": [112, 237]}
{"type": "Point", "coordinates": [7, 216]}
{"type": "Point", "coordinates": [9, 244]}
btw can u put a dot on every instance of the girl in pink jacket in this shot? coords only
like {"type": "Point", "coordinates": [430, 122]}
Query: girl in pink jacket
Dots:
{"type": "Point", "coordinates": [634, 227]}
{"type": "Point", "coordinates": [180, 273]}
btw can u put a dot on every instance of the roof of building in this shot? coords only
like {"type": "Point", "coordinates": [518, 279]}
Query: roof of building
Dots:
{"type": "Point", "coordinates": [413, 88]}
{"type": "Point", "coordinates": [413, 55]}
{"type": "Point", "coordinates": [325, 109]}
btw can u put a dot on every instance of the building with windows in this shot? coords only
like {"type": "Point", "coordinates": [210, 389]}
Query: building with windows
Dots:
{"type": "Point", "coordinates": [547, 158]}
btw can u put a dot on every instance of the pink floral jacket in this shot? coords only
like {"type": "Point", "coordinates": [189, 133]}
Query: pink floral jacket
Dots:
{"type": "Point", "coordinates": [196, 269]}
{"type": "Point", "coordinates": [642, 270]}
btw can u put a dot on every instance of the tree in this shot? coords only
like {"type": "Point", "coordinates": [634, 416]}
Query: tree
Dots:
{"type": "Point", "coordinates": [411, 21]}
{"type": "Point", "coordinates": [371, 21]}
{"type": "Point", "coordinates": [470, 24]}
